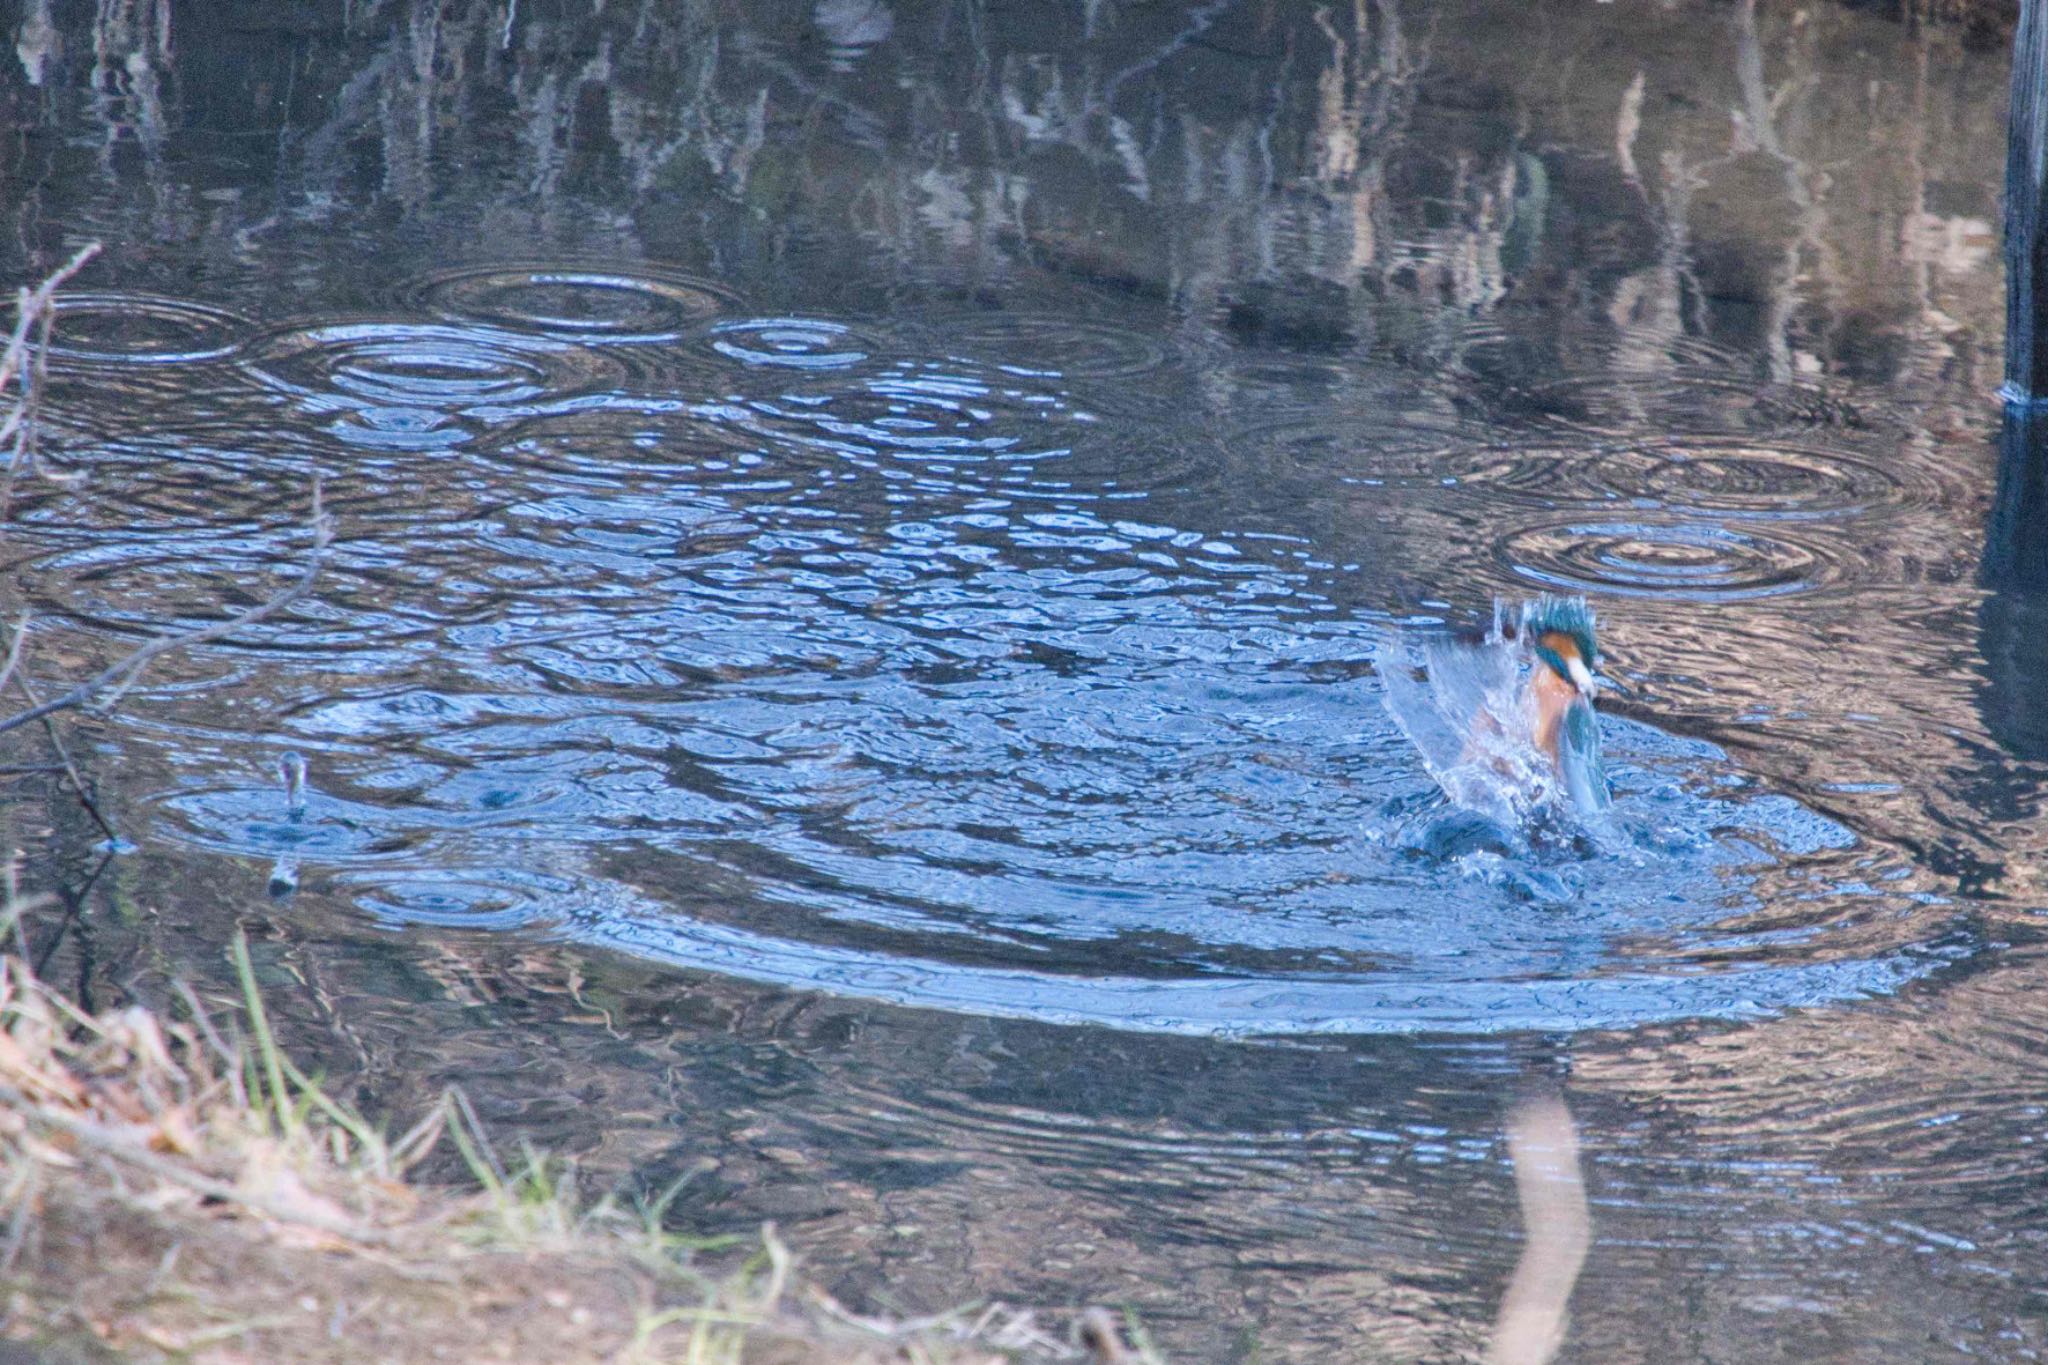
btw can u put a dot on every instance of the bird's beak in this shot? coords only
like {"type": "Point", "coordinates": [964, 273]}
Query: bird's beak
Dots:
{"type": "Point", "coordinates": [1582, 677]}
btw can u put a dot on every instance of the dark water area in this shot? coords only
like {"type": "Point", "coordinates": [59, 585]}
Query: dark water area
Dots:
{"type": "Point", "coordinates": [847, 662]}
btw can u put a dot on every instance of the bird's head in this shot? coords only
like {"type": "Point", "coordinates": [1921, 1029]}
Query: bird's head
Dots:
{"type": "Point", "coordinates": [1560, 632]}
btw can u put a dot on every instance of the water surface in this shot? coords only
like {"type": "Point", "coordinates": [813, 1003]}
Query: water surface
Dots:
{"type": "Point", "coordinates": [847, 660]}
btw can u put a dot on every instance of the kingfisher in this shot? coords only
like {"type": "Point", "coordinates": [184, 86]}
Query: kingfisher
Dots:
{"type": "Point", "coordinates": [1505, 722]}
{"type": "Point", "coordinates": [1558, 631]}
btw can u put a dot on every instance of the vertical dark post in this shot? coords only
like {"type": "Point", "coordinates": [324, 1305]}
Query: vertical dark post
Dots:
{"type": "Point", "coordinates": [2026, 210]}
{"type": "Point", "coordinates": [2016, 533]}
{"type": "Point", "coordinates": [2013, 619]}
{"type": "Point", "coordinates": [2016, 540]}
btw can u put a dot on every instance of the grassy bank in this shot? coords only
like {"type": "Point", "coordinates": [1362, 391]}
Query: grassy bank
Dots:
{"type": "Point", "coordinates": [177, 1189]}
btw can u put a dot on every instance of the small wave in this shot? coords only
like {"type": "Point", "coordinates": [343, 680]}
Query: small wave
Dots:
{"type": "Point", "coordinates": [121, 329]}
{"type": "Point", "coordinates": [608, 305]}
{"type": "Point", "coordinates": [421, 386]}
{"type": "Point", "coordinates": [1047, 346]}
{"type": "Point", "coordinates": [1679, 560]}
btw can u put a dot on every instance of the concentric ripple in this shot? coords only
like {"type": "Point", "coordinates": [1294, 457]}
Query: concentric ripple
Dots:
{"type": "Point", "coordinates": [1706, 401]}
{"type": "Point", "coordinates": [1383, 449]}
{"type": "Point", "coordinates": [175, 476]}
{"type": "Point", "coordinates": [1706, 475]}
{"type": "Point", "coordinates": [1173, 843]}
{"type": "Point", "coordinates": [121, 329]}
{"type": "Point", "coordinates": [253, 820]}
{"type": "Point", "coordinates": [387, 589]}
{"type": "Point", "coordinates": [619, 441]}
{"type": "Point", "coordinates": [597, 306]}
{"type": "Point", "coordinates": [1052, 345]}
{"type": "Point", "coordinates": [424, 386]}
{"type": "Point", "coordinates": [792, 343]}
{"type": "Point", "coordinates": [460, 898]}
{"type": "Point", "coordinates": [953, 424]}
{"type": "Point", "coordinates": [1677, 560]}
{"type": "Point", "coordinates": [904, 678]}
{"type": "Point", "coordinates": [933, 413]}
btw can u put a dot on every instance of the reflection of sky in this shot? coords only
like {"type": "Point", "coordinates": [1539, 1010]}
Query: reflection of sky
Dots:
{"type": "Point", "coordinates": [1286, 884]}
{"type": "Point", "coordinates": [921, 672]}
{"type": "Point", "coordinates": [964, 680]}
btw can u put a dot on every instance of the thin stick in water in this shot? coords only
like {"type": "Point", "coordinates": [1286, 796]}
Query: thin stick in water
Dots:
{"type": "Point", "coordinates": [1557, 1229]}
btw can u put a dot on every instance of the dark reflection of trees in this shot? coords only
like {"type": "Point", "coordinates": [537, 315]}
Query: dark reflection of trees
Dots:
{"type": "Point", "coordinates": [1326, 177]}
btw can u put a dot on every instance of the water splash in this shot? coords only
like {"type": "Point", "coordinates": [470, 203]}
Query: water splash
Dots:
{"type": "Point", "coordinates": [284, 872]}
{"type": "Point", "coordinates": [1475, 712]}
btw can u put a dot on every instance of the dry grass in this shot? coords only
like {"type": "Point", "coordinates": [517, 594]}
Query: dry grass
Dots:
{"type": "Point", "coordinates": [179, 1189]}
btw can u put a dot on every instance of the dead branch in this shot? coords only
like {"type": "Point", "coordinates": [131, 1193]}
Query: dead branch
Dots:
{"type": "Point", "coordinates": [78, 787]}
{"type": "Point", "coordinates": [23, 365]}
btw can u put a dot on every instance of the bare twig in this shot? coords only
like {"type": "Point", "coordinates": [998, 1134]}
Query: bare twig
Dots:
{"type": "Point", "coordinates": [64, 758]}
{"type": "Point", "coordinates": [121, 675]}
{"type": "Point", "coordinates": [14, 650]}
{"type": "Point", "coordinates": [1556, 1230]}
{"type": "Point", "coordinates": [56, 741]}
{"type": "Point", "coordinates": [23, 365]}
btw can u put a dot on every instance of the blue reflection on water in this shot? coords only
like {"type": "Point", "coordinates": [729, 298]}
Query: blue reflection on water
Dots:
{"type": "Point", "coordinates": [857, 666]}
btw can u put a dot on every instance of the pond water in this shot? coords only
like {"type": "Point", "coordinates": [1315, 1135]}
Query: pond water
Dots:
{"type": "Point", "coordinates": [847, 660]}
